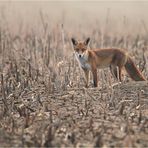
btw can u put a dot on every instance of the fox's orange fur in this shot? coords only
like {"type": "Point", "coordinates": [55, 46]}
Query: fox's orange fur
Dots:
{"type": "Point", "coordinates": [116, 59]}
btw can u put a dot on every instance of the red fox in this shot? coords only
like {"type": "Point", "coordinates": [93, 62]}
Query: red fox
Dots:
{"type": "Point", "coordinates": [116, 59]}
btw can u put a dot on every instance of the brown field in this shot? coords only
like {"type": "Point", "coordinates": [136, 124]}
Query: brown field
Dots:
{"type": "Point", "coordinates": [43, 102]}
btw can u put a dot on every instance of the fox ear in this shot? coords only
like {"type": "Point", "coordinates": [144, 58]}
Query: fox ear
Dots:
{"type": "Point", "coordinates": [87, 41]}
{"type": "Point", "coordinates": [74, 41]}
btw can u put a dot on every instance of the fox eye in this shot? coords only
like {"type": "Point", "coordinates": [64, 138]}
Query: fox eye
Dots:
{"type": "Point", "coordinates": [77, 49]}
{"type": "Point", "coordinates": [83, 49]}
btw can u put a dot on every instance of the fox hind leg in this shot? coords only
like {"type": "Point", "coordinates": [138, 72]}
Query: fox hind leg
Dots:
{"type": "Point", "coordinates": [116, 72]}
{"type": "Point", "coordinates": [119, 74]}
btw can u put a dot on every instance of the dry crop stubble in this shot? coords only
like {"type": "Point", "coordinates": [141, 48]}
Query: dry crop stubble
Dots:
{"type": "Point", "coordinates": [43, 101]}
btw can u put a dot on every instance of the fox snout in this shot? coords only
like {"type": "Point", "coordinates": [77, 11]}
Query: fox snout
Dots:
{"type": "Point", "coordinates": [79, 55]}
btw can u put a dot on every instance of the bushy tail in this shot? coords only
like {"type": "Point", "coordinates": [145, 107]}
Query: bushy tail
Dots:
{"type": "Point", "coordinates": [133, 71]}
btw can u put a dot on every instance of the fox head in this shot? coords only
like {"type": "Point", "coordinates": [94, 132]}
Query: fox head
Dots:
{"type": "Point", "coordinates": [80, 48]}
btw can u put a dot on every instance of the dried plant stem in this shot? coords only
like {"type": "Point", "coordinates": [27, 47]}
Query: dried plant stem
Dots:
{"type": "Point", "coordinates": [6, 109]}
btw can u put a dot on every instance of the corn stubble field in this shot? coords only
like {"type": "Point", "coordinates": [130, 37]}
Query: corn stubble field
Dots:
{"type": "Point", "coordinates": [43, 101]}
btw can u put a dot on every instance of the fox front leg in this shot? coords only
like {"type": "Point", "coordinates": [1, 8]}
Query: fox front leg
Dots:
{"type": "Point", "coordinates": [86, 72]}
{"type": "Point", "coordinates": [95, 78]}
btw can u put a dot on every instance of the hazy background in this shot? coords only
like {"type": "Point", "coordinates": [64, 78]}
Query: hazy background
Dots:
{"type": "Point", "coordinates": [77, 16]}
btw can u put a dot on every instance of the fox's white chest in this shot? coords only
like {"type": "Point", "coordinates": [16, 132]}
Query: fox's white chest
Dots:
{"type": "Point", "coordinates": [83, 61]}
